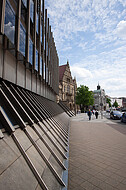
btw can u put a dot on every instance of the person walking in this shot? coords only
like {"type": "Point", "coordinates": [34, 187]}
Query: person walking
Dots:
{"type": "Point", "coordinates": [96, 114]}
{"type": "Point", "coordinates": [89, 114]}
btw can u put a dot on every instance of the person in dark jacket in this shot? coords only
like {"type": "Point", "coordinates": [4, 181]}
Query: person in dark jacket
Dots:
{"type": "Point", "coordinates": [89, 114]}
{"type": "Point", "coordinates": [96, 114]}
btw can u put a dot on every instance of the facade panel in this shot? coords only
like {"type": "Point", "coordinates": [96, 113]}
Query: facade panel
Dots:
{"type": "Point", "coordinates": [28, 37]}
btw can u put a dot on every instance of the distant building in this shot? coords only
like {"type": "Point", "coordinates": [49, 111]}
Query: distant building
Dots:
{"type": "Point", "coordinates": [124, 102]}
{"type": "Point", "coordinates": [118, 100]}
{"type": "Point", "coordinates": [67, 86]}
{"type": "Point", "coordinates": [99, 98]}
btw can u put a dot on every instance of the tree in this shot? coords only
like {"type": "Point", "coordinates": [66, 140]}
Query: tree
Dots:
{"type": "Point", "coordinates": [115, 104]}
{"type": "Point", "coordinates": [109, 102]}
{"type": "Point", "coordinates": [84, 97]}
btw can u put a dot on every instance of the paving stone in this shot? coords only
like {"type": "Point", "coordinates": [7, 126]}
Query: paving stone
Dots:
{"type": "Point", "coordinates": [97, 152]}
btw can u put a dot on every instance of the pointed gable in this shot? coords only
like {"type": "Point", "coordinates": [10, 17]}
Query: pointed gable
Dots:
{"type": "Point", "coordinates": [62, 69]}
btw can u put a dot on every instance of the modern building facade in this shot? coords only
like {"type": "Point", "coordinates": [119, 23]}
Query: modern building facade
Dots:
{"type": "Point", "coordinates": [28, 55]}
{"type": "Point", "coordinates": [67, 86]}
{"type": "Point", "coordinates": [34, 129]}
{"type": "Point", "coordinates": [99, 98]}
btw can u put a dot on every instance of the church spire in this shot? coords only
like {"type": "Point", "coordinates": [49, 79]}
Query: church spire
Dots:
{"type": "Point", "coordinates": [98, 87]}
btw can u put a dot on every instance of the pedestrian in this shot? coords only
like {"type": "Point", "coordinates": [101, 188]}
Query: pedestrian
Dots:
{"type": "Point", "coordinates": [96, 114]}
{"type": "Point", "coordinates": [89, 114]}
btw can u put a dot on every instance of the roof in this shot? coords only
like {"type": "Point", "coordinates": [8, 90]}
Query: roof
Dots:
{"type": "Point", "coordinates": [62, 69]}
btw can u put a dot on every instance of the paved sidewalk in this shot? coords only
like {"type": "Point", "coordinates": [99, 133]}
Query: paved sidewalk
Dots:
{"type": "Point", "coordinates": [97, 159]}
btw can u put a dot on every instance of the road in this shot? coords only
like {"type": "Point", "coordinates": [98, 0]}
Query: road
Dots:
{"type": "Point", "coordinates": [119, 126]}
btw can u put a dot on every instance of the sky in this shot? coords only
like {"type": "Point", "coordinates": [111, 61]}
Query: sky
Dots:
{"type": "Point", "coordinates": [91, 35]}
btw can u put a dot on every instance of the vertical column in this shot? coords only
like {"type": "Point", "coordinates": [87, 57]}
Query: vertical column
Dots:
{"type": "Point", "coordinates": [27, 38]}
{"type": "Point", "coordinates": [2, 15]}
{"type": "Point", "coordinates": [34, 36]}
{"type": "Point", "coordinates": [43, 31]}
{"type": "Point", "coordinates": [48, 40]}
{"type": "Point", "coordinates": [17, 30]}
{"type": "Point", "coordinates": [45, 45]}
{"type": "Point", "coordinates": [17, 33]}
{"type": "Point", "coordinates": [39, 31]}
{"type": "Point", "coordinates": [27, 31]}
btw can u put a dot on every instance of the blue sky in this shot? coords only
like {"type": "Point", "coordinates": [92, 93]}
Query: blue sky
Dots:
{"type": "Point", "coordinates": [91, 34]}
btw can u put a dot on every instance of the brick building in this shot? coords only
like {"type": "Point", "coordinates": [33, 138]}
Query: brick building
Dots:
{"type": "Point", "coordinates": [67, 86]}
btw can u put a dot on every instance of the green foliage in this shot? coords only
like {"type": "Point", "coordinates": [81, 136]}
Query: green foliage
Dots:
{"type": "Point", "coordinates": [84, 96]}
{"type": "Point", "coordinates": [115, 104]}
{"type": "Point", "coordinates": [109, 102]}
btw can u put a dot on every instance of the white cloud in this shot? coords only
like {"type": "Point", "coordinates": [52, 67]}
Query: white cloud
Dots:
{"type": "Point", "coordinates": [121, 29]}
{"type": "Point", "coordinates": [91, 34]}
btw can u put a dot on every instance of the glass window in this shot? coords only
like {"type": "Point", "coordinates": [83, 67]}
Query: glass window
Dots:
{"type": "Point", "coordinates": [44, 42]}
{"type": "Point", "coordinates": [15, 2]}
{"type": "Point", "coordinates": [30, 51]}
{"type": "Point", "coordinates": [64, 89]}
{"type": "Point", "coordinates": [37, 22]}
{"type": "Point", "coordinates": [44, 72]}
{"type": "Point", "coordinates": [24, 11]}
{"type": "Point", "coordinates": [32, 10]}
{"type": "Point", "coordinates": [68, 88]}
{"type": "Point", "coordinates": [36, 65]}
{"type": "Point", "coordinates": [22, 39]}
{"type": "Point", "coordinates": [49, 78]}
{"type": "Point", "coordinates": [47, 49]}
{"type": "Point", "coordinates": [40, 65]}
{"type": "Point", "coordinates": [49, 54]}
{"type": "Point", "coordinates": [41, 33]}
{"type": "Point", "coordinates": [9, 23]}
{"type": "Point", "coordinates": [41, 5]}
{"type": "Point", "coordinates": [25, 3]}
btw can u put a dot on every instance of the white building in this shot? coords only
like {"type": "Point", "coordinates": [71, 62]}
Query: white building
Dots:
{"type": "Point", "coordinates": [118, 100]}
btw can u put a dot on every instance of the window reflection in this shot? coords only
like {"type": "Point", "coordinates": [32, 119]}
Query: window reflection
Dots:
{"type": "Point", "coordinates": [24, 2]}
{"type": "Point", "coordinates": [44, 72]}
{"type": "Point", "coordinates": [9, 23]}
{"type": "Point", "coordinates": [49, 77]}
{"type": "Point", "coordinates": [41, 33]}
{"type": "Point", "coordinates": [37, 22]}
{"type": "Point", "coordinates": [32, 10]}
{"type": "Point", "coordinates": [36, 65]}
{"type": "Point", "coordinates": [47, 49]}
{"type": "Point", "coordinates": [24, 11]}
{"type": "Point", "coordinates": [30, 51]}
{"type": "Point", "coordinates": [22, 39]}
{"type": "Point", "coordinates": [40, 65]}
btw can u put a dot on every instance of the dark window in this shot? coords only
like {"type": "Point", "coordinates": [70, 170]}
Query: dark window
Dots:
{"type": "Point", "coordinates": [24, 11]}
{"type": "Point", "coordinates": [68, 88]}
{"type": "Point", "coordinates": [9, 23]}
{"type": "Point", "coordinates": [22, 39]}
{"type": "Point", "coordinates": [15, 2]}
